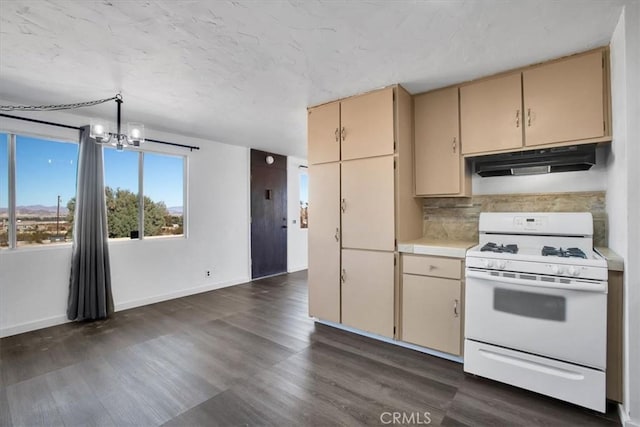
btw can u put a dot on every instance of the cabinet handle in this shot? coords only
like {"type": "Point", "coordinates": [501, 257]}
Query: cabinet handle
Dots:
{"type": "Point", "coordinates": [455, 308]}
{"type": "Point", "coordinates": [337, 134]}
{"type": "Point", "coordinates": [343, 276]}
{"type": "Point", "coordinates": [337, 235]}
{"type": "Point", "coordinates": [529, 117]}
{"type": "Point", "coordinates": [343, 205]}
{"type": "Point", "coordinates": [343, 133]}
{"type": "Point", "coordinates": [455, 144]}
{"type": "Point", "coordinates": [517, 118]}
{"type": "Point", "coordinates": [432, 267]}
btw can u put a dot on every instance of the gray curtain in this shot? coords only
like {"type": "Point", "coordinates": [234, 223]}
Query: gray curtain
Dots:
{"type": "Point", "coordinates": [90, 282]}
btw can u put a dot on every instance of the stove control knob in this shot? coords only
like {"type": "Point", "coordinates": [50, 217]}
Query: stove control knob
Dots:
{"type": "Point", "coordinates": [557, 269]}
{"type": "Point", "coordinates": [502, 265]}
{"type": "Point", "coordinates": [488, 263]}
{"type": "Point", "coordinates": [574, 271]}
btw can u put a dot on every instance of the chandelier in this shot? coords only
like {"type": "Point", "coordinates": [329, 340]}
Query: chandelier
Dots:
{"type": "Point", "coordinates": [100, 131]}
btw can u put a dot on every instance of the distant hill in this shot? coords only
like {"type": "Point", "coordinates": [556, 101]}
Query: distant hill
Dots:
{"type": "Point", "coordinates": [49, 211]}
{"type": "Point", "coordinates": [37, 210]}
{"type": "Point", "coordinates": [175, 210]}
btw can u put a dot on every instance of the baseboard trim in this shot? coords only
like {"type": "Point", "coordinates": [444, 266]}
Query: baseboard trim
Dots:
{"type": "Point", "coordinates": [295, 269]}
{"type": "Point", "coordinates": [126, 305]}
{"type": "Point", "coordinates": [62, 318]}
{"type": "Point", "coordinates": [33, 325]}
{"type": "Point", "coordinates": [624, 417]}
{"type": "Point", "coordinates": [425, 350]}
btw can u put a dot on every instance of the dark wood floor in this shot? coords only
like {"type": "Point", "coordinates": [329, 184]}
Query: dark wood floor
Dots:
{"type": "Point", "coordinates": [246, 355]}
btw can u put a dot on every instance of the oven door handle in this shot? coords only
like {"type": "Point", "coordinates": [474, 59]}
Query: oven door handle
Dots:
{"type": "Point", "coordinates": [582, 286]}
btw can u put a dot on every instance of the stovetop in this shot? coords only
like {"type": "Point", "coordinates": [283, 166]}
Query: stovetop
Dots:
{"type": "Point", "coordinates": [565, 253]}
{"type": "Point", "coordinates": [512, 248]}
{"type": "Point", "coordinates": [494, 247]}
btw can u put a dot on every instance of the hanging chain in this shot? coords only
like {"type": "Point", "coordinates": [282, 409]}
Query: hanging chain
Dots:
{"type": "Point", "coordinates": [57, 107]}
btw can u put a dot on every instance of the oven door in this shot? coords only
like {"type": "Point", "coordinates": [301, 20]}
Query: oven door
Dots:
{"type": "Point", "coordinates": [565, 321]}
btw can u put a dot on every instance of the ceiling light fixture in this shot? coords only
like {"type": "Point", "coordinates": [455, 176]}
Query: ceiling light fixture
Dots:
{"type": "Point", "coordinates": [101, 133]}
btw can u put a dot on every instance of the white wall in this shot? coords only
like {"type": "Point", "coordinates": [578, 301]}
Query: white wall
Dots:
{"type": "Point", "coordinates": [34, 281]}
{"type": "Point", "coordinates": [594, 179]}
{"type": "Point", "coordinates": [623, 197]}
{"type": "Point", "coordinates": [297, 238]}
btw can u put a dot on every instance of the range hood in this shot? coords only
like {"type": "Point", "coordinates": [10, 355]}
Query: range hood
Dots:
{"type": "Point", "coordinates": [545, 160]}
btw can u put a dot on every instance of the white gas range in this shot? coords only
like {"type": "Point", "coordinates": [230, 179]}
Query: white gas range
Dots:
{"type": "Point", "coordinates": [536, 305]}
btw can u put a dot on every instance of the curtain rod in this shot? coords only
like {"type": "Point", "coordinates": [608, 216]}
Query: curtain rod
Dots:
{"type": "Point", "coordinates": [60, 125]}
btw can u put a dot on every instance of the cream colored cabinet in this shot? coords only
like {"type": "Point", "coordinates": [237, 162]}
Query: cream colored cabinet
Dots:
{"type": "Point", "coordinates": [491, 114]}
{"type": "Point", "coordinates": [439, 165]}
{"type": "Point", "coordinates": [324, 241]}
{"type": "Point", "coordinates": [564, 100]}
{"type": "Point", "coordinates": [323, 133]}
{"type": "Point", "coordinates": [361, 204]}
{"type": "Point", "coordinates": [432, 302]}
{"type": "Point", "coordinates": [367, 204]}
{"type": "Point", "coordinates": [368, 291]}
{"type": "Point", "coordinates": [367, 125]}
{"type": "Point", "coordinates": [357, 127]}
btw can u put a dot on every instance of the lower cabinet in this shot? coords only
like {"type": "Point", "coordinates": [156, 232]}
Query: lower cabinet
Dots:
{"type": "Point", "coordinates": [431, 308]}
{"type": "Point", "coordinates": [368, 290]}
{"type": "Point", "coordinates": [324, 242]}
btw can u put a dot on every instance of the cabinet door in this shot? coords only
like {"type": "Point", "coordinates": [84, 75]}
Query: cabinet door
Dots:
{"type": "Point", "coordinates": [368, 204]}
{"type": "Point", "coordinates": [324, 241]}
{"type": "Point", "coordinates": [323, 133]}
{"type": "Point", "coordinates": [431, 310]}
{"type": "Point", "coordinates": [367, 125]}
{"type": "Point", "coordinates": [368, 290]}
{"type": "Point", "coordinates": [437, 143]}
{"type": "Point", "coordinates": [491, 115]}
{"type": "Point", "coordinates": [564, 101]}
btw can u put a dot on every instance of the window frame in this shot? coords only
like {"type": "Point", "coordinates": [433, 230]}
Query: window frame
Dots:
{"type": "Point", "coordinates": [11, 196]}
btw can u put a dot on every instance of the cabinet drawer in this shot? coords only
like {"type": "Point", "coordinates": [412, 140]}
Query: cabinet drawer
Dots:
{"type": "Point", "coordinates": [432, 266]}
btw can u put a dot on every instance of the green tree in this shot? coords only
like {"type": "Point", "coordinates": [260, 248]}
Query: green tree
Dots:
{"type": "Point", "coordinates": [122, 213]}
{"type": "Point", "coordinates": [154, 217]}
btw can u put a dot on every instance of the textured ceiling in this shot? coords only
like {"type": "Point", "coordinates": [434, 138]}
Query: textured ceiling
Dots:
{"type": "Point", "coordinates": [243, 72]}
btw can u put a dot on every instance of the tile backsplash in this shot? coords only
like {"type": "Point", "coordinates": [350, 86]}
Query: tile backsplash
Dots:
{"type": "Point", "coordinates": [455, 218]}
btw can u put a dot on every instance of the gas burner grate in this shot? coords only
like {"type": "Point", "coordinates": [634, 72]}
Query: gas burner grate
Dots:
{"type": "Point", "coordinates": [565, 253]}
{"type": "Point", "coordinates": [492, 247]}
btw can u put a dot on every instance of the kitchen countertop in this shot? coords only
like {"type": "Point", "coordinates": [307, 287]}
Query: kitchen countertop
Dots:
{"type": "Point", "coordinates": [426, 246]}
{"type": "Point", "coordinates": [614, 261]}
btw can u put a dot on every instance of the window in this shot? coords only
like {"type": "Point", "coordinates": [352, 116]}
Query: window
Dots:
{"type": "Point", "coordinates": [163, 189]}
{"type": "Point", "coordinates": [4, 191]}
{"type": "Point", "coordinates": [121, 193]}
{"type": "Point", "coordinates": [163, 194]}
{"type": "Point", "coordinates": [304, 199]}
{"type": "Point", "coordinates": [45, 190]}
{"type": "Point", "coordinates": [38, 189]}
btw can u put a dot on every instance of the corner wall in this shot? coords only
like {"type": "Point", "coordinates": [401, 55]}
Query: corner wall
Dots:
{"type": "Point", "coordinates": [34, 281]}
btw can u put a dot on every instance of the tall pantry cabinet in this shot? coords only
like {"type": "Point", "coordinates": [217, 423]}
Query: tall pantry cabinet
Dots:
{"type": "Point", "coordinates": [360, 205]}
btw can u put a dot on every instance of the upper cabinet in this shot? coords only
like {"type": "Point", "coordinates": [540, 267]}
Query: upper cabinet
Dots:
{"type": "Point", "coordinates": [491, 114]}
{"type": "Point", "coordinates": [323, 133]}
{"type": "Point", "coordinates": [439, 165]}
{"type": "Point", "coordinates": [557, 103]}
{"type": "Point", "coordinates": [367, 125]}
{"type": "Point", "coordinates": [357, 127]}
{"type": "Point", "coordinates": [564, 100]}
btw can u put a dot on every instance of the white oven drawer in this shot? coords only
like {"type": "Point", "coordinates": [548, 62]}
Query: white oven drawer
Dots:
{"type": "Point", "coordinates": [563, 324]}
{"type": "Point", "coordinates": [576, 384]}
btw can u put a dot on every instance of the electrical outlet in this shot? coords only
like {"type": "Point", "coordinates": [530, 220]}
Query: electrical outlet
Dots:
{"type": "Point", "coordinates": [208, 273]}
